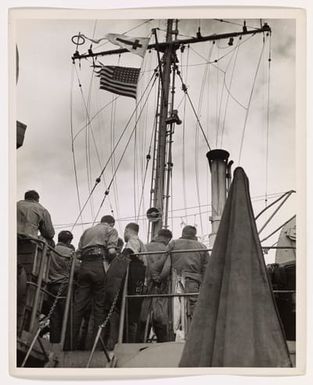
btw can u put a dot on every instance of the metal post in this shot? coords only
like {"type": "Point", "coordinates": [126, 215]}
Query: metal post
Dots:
{"type": "Point", "coordinates": [31, 347]}
{"type": "Point", "coordinates": [274, 213]}
{"type": "Point", "coordinates": [94, 346]}
{"type": "Point", "coordinates": [122, 315]}
{"type": "Point", "coordinates": [68, 301]}
{"type": "Point", "coordinates": [38, 289]}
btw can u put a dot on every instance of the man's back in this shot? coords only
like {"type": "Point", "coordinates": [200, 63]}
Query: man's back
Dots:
{"type": "Point", "coordinates": [33, 217]}
{"type": "Point", "coordinates": [60, 265]}
{"type": "Point", "coordinates": [155, 262]}
{"type": "Point", "coordinates": [101, 234]}
{"type": "Point", "coordinates": [189, 261]}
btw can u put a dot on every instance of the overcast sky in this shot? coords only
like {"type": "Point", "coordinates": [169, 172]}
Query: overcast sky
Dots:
{"type": "Point", "coordinates": [48, 80]}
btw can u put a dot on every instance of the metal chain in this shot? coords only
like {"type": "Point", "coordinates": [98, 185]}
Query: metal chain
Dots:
{"type": "Point", "coordinates": [55, 301]}
{"type": "Point", "coordinates": [104, 324]}
{"type": "Point", "coordinates": [59, 292]}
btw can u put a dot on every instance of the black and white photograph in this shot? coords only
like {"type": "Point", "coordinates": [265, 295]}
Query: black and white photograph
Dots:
{"type": "Point", "coordinates": [156, 195]}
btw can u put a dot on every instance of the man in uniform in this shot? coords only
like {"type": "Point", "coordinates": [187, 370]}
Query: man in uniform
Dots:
{"type": "Point", "coordinates": [116, 271]}
{"type": "Point", "coordinates": [136, 277]}
{"type": "Point", "coordinates": [32, 219]}
{"type": "Point", "coordinates": [187, 272]}
{"type": "Point", "coordinates": [95, 244]}
{"type": "Point", "coordinates": [155, 310]}
{"type": "Point", "coordinates": [59, 272]}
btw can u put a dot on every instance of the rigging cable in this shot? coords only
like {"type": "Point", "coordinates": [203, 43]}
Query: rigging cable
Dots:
{"type": "Point", "coordinates": [125, 149]}
{"type": "Point", "coordinates": [72, 139]}
{"type": "Point", "coordinates": [184, 88]}
{"type": "Point", "coordinates": [94, 116]}
{"type": "Point", "coordinates": [113, 160]}
{"type": "Point", "coordinates": [275, 231]}
{"type": "Point", "coordinates": [143, 158]}
{"type": "Point", "coordinates": [97, 41]}
{"type": "Point", "coordinates": [184, 135]}
{"type": "Point", "coordinates": [227, 88]}
{"type": "Point", "coordinates": [231, 22]}
{"type": "Point", "coordinates": [94, 141]}
{"type": "Point", "coordinates": [148, 157]}
{"type": "Point", "coordinates": [88, 149]}
{"type": "Point", "coordinates": [208, 110]}
{"type": "Point", "coordinates": [228, 93]}
{"type": "Point", "coordinates": [156, 117]}
{"type": "Point", "coordinates": [108, 160]}
{"type": "Point", "coordinates": [223, 56]}
{"type": "Point", "coordinates": [197, 133]}
{"type": "Point", "coordinates": [249, 102]}
{"type": "Point", "coordinates": [87, 138]}
{"type": "Point", "coordinates": [216, 102]}
{"type": "Point", "coordinates": [135, 162]}
{"type": "Point", "coordinates": [256, 198]}
{"type": "Point", "coordinates": [268, 117]}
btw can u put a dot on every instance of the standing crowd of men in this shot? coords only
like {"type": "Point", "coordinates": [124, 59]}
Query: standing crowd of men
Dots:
{"type": "Point", "coordinates": [102, 262]}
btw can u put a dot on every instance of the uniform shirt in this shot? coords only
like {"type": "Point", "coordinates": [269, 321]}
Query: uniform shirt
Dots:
{"type": "Point", "coordinates": [192, 264]}
{"type": "Point", "coordinates": [32, 217]}
{"type": "Point", "coordinates": [136, 246]}
{"type": "Point", "coordinates": [155, 262]}
{"type": "Point", "coordinates": [59, 269]}
{"type": "Point", "coordinates": [101, 234]}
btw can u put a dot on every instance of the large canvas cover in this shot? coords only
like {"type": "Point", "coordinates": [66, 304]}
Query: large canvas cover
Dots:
{"type": "Point", "coordinates": [236, 323]}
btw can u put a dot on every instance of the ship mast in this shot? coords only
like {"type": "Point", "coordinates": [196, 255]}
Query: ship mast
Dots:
{"type": "Point", "coordinates": [162, 146]}
{"type": "Point", "coordinates": [167, 117]}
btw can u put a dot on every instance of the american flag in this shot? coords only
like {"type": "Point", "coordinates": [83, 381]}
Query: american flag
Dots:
{"type": "Point", "coordinates": [119, 80]}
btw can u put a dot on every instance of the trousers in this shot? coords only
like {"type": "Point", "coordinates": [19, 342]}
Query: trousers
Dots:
{"type": "Point", "coordinates": [90, 289]}
{"type": "Point", "coordinates": [25, 259]}
{"type": "Point", "coordinates": [56, 318]}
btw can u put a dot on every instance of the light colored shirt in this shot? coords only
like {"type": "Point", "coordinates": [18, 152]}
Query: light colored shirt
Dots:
{"type": "Point", "coordinates": [33, 218]}
{"type": "Point", "coordinates": [137, 246]}
{"type": "Point", "coordinates": [59, 268]}
{"type": "Point", "coordinates": [101, 234]}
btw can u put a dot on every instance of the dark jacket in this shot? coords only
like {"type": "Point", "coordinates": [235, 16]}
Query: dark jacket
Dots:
{"type": "Point", "coordinates": [192, 264]}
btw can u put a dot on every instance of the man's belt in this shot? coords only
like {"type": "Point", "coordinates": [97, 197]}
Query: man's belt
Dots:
{"type": "Point", "coordinates": [93, 251]}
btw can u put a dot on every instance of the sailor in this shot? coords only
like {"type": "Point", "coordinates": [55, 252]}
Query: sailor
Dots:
{"type": "Point", "coordinates": [33, 221]}
{"type": "Point", "coordinates": [59, 272]}
{"type": "Point", "coordinates": [154, 311]}
{"type": "Point", "coordinates": [187, 272]}
{"type": "Point", "coordinates": [113, 293]}
{"type": "Point", "coordinates": [136, 276]}
{"type": "Point", "coordinates": [95, 243]}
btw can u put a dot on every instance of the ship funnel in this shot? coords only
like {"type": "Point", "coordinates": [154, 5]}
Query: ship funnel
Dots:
{"type": "Point", "coordinates": [220, 173]}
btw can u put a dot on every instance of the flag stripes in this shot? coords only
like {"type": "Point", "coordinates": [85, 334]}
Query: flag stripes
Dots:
{"type": "Point", "coordinates": [119, 80]}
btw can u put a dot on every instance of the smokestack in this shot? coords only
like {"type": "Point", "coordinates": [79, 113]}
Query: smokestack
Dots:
{"type": "Point", "coordinates": [218, 161]}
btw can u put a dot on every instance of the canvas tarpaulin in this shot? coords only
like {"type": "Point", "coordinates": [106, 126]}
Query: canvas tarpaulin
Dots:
{"type": "Point", "coordinates": [236, 323]}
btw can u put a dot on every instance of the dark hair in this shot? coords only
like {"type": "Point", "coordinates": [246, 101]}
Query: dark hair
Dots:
{"type": "Point", "coordinates": [108, 219]}
{"type": "Point", "coordinates": [31, 195]}
{"type": "Point", "coordinates": [133, 226]}
{"type": "Point", "coordinates": [65, 236]}
{"type": "Point", "coordinates": [189, 231]}
{"type": "Point", "coordinates": [165, 233]}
